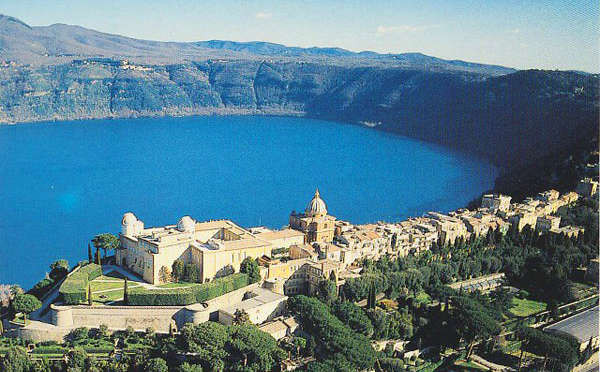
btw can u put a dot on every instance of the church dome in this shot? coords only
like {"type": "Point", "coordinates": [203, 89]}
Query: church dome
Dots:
{"type": "Point", "coordinates": [186, 224]}
{"type": "Point", "coordinates": [316, 207]}
{"type": "Point", "coordinates": [129, 219]}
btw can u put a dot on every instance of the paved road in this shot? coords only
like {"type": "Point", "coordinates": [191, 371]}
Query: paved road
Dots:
{"type": "Point", "coordinates": [592, 368]}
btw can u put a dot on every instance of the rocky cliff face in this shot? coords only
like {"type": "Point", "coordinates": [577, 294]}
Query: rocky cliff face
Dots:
{"type": "Point", "coordinates": [63, 72]}
{"type": "Point", "coordinates": [509, 119]}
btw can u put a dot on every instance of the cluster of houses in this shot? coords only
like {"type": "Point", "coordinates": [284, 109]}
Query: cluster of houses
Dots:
{"type": "Point", "coordinates": [338, 254]}
{"type": "Point", "coordinates": [316, 245]}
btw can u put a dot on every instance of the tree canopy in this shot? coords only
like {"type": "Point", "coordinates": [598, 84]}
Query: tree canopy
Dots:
{"type": "Point", "coordinates": [250, 266]}
{"type": "Point", "coordinates": [106, 242]}
{"type": "Point", "coordinates": [238, 347]}
{"type": "Point", "coordinates": [25, 303]}
{"type": "Point", "coordinates": [338, 346]}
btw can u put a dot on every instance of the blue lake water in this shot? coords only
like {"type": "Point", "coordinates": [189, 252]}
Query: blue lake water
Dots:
{"type": "Point", "coordinates": [61, 183]}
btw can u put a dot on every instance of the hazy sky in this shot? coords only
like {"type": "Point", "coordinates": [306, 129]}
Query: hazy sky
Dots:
{"type": "Point", "coordinates": [550, 34]}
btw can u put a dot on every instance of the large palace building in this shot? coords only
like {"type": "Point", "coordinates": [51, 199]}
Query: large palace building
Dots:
{"type": "Point", "coordinates": [216, 246]}
{"type": "Point", "coordinates": [314, 222]}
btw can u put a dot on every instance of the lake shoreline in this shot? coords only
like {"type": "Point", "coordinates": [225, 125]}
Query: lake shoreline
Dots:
{"type": "Point", "coordinates": [73, 180]}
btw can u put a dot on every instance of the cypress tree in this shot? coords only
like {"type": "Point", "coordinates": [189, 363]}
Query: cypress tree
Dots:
{"type": "Point", "coordinates": [371, 298]}
{"type": "Point", "coordinates": [125, 298]}
{"type": "Point", "coordinates": [98, 261]}
{"type": "Point", "coordinates": [90, 294]}
{"type": "Point", "coordinates": [90, 258]}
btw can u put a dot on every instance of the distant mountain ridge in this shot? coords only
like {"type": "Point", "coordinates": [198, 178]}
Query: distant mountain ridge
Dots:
{"type": "Point", "coordinates": [60, 43]}
{"type": "Point", "coordinates": [510, 117]}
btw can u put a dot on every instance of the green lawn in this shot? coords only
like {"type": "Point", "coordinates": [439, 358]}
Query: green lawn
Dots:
{"type": "Point", "coordinates": [525, 307]}
{"type": "Point", "coordinates": [102, 286]}
{"type": "Point", "coordinates": [109, 288]}
{"type": "Point", "coordinates": [102, 298]}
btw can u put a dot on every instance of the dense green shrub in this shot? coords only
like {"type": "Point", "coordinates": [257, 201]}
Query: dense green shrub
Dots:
{"type": "Point", "coordinates": [392, 364]}
{"type": "Point", "coordinates": [41, 287]}
{"type": "Point", "coordinates": [141, 296]}
{"type": "Point", "coordinates": [74, 288]}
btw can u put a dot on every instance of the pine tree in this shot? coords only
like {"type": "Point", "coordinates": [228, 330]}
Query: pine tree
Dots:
{"type": "Point", "coordinates": [98, 261]}
{"type": "Point", "coordinates": [90, 258]}
{"type": "Point", "coordinates": [125, 298]}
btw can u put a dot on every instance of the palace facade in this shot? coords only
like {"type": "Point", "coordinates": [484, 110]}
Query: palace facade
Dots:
{"type": "Point", "coordinates": [218, 247]}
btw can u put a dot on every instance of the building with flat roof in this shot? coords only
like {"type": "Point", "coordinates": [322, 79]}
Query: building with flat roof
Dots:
{"type": "Point", "coordinates": [547, 223]}
{"type": "Point", "coordinates": [213, 245]}
{"type": "Point", "coordinates": [568, 231]}
{"type": "Point", "coordinates": [282, 238]}
{"type": "Point", "coordinates": [582, 326]}
{"type": "Point", "coordinates": [496, 202]}
{"type": "Point", "coordinates": [260, 304]}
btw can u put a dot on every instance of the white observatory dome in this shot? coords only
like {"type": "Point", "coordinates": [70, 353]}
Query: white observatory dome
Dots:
{"type": "Point", "coordinates": [186, 224]}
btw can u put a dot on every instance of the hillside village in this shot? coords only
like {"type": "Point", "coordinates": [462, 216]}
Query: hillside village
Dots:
{"type": "Point", "coordinates": [316, 245]}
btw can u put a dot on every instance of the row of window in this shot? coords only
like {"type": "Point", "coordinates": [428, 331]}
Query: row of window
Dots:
{"type": "Point", "coordinates": [240, 257]}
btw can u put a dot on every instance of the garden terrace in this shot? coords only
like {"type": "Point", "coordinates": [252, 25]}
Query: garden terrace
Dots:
{"type": "Point", "coordinates": [194, 293]}
{"type": "Point", "coordinates": [74, 288]}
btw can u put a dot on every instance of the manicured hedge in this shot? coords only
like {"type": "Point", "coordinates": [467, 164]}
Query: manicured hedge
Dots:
{"type": "Point", "coordinates": [74, 288]}
{"type": "Point", "coordinates": [98, 349]}
{"type": "Point", "coordinates": [141, 296]}
{"type": "Point", "coordinates": [55, 349]}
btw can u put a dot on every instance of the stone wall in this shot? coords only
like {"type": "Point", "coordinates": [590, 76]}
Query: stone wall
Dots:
{"type": "Point", "coordinates": [63, 319]}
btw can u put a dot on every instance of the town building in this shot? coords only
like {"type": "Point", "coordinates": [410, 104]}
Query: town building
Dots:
{"type": "Point", "coordinates": [364, 242]}
{"type": "Point", "coordinates": [547, 223]}
{"type": "Point", "coordinates": [548, 196]}
{"type": "Point", "coordinates": [449, 228]}
{"type": "Point", "coordinates": [282, 238]}
{"type": "Point", "coordinates": [524, 215]}
{"type": "Point", "coordinates": [570, 197]}
{"type": "Point", "coordinates": [496, 202]}
{"type": "Point", "coordinates": [587, 187]}
{"type": "Point", "coordinates": [280, 327]}
{"type": "Point", "coordinates": [303, 251]}
{"type": "Point", "coordinates": [569, 231]}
